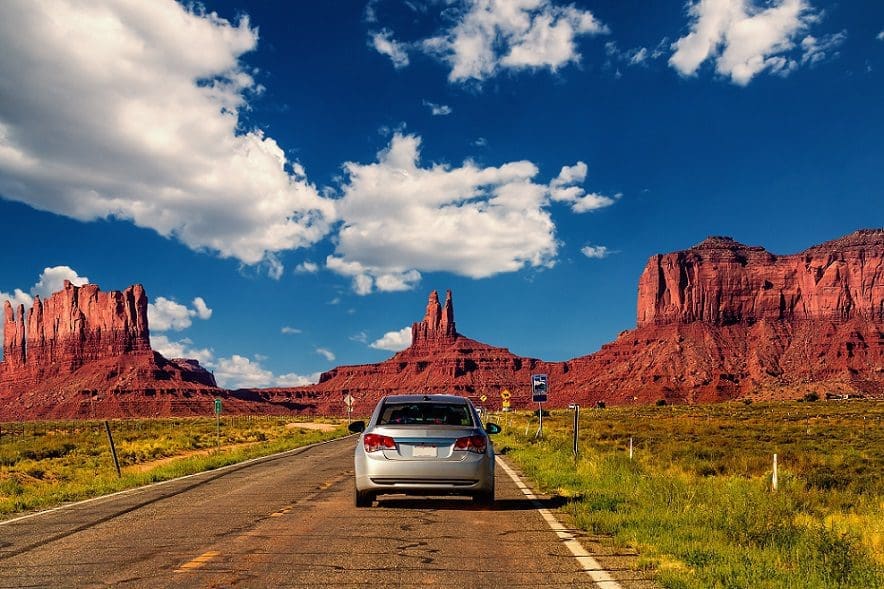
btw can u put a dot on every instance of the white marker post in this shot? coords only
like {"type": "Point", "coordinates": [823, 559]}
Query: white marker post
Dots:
{"type": "Point", "coordinates": [773, 478]}
{"type": "Point", "coordinates": [630, 447]}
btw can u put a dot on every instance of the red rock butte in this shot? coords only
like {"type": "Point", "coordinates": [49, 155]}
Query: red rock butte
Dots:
{"type": "Point", "coordinates": [83, 352]}
{"type": "Point", "coordinates": [716, 322]}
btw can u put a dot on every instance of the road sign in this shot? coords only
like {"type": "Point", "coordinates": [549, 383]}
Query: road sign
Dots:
{"type": "Point", "coordinates": [505, 394]}
{"type": "Point", "coordinates": [505, 404]}
{"type": "Point", "coordinates": [217, 406]}
{"type": "Point", "coordinates": [483, 398]}
{"type": "Point", "coordinates": [539, 388]}
{"type": "Point", "coordinates": [349, 400]}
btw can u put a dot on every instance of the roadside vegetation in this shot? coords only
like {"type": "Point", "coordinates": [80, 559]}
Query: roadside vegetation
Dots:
{"type": "Point", "coordinates": [696, 500]}
{"type": "Point", "coordinates": [43, 464]}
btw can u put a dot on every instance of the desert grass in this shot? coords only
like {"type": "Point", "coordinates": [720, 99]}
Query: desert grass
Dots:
{"type": "Point", "coordinates": [44, 464]}
{"type": "Point", "coordinates": [696, 498]}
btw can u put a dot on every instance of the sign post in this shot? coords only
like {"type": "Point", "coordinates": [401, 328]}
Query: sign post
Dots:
{"type": "Point", "coordinates": [576, 449]}
{"type": "Point", "coordinates": [218, 420]}
{"type": "Point", "coordinates": [348, 401]}
{"type": "Point", "coordinates": [539, 388]}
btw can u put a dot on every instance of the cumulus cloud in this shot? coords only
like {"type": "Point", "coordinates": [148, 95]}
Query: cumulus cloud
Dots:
{"type": "Point", "coordinates": [438, 110]}
{"type": "Point", "coordinates": [290, 330]}
{"type": "Point", "coordinates": [307, 267]}
{"type": "Point", "coordinates": [880, 36]}
{"type": "Point", "coordinates": [182, 348]}
{"type": "Point", "coordinates": [51, 280]}
{"type": "Point", "coordinates": [132, 111]}
{"type": "Point", "coordinates": [595, 251]}
{"type": "Point", "coordinates": [742, 38]}
{"type": "Point", "coordinates": [325, 353]}
{"type": "Point", "coordinates": [240, 372]}
{"type": "Point", "coordinates": [564, 188]}
{"type": "Point", "coordinates": [394, 341]}
{"type": "Point", "coordinates": [165, 314]}
{"type": "Point", "coordinates": [384, 43]}
{"type": "Point", "coordinates": [485, 37]}
{"type": "Point", "coordinates": [401, 219]}
{"type": "Point", "coordinates": [231, 372]}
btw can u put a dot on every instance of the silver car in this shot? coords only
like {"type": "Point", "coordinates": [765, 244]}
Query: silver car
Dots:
{"type": "Point", "coordinates": [424, 445]}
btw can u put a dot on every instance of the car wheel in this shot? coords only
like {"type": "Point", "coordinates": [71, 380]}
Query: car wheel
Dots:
{"type": "Point", "coordinates": [364, 498]}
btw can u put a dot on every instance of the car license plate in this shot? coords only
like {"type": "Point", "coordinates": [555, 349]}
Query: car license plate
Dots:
{"type": "Point", "coordinates": [424, 451]}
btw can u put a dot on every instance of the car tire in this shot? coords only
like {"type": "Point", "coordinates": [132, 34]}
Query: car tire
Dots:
{"type": "Point", "coordinates": [364, 498]}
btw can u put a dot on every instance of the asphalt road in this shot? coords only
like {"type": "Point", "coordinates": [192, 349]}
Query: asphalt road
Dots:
{"type": "Point", "coordinates": [290, 521]}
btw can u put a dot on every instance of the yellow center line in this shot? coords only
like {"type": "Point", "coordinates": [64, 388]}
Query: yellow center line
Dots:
{"type": "Point", "coordinates": [197, 562]}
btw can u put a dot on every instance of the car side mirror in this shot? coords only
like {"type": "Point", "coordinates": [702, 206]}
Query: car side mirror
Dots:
{"type": "Point", "coordinates": [492, 428]}
{"type": "Point", "coordinates": [357, 427]}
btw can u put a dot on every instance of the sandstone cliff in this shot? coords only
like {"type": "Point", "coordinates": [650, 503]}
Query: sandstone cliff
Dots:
{"type": "Point", "coordinates": [81, 346]}
{"type": "Point", "coordinates": [722, 282]}
{"type": "Point", "coordinates": [718, 321]}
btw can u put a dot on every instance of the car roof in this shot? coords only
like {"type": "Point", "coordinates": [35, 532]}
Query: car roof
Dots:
{"type": "Point", "coordinates": [450, 399]}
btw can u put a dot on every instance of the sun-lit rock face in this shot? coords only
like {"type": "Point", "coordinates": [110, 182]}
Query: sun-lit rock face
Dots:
{"type": "Point", "coordinates": [82, 345]}
{"type": "Point", "coordinates": [718, 321]}
{"type": "Point", "coordinates": [723, 282]}
{"type": "Point", "coordinates": [76, 325]}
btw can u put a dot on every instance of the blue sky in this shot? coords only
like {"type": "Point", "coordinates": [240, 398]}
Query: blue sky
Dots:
{"type": "Point", "coordinates": [290, 179]}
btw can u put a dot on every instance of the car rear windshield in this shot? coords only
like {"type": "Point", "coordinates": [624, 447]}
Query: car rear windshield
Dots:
{"type": "Point", "coordinates": [425, 414]}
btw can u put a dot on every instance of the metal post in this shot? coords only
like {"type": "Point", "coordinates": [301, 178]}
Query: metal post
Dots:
{"type": "Point", "coordinates": [576, 448]}
{"type": "Point", "coordinates": [110, 440]}
{"type": "Point", "coordinates": [218, 428]}
{"type": "Point", "coordinates": [539, 433]}
{"type": "Point", "coordinates": [630, 447]}
{"type": "Point", "coordinates": [773, 479]}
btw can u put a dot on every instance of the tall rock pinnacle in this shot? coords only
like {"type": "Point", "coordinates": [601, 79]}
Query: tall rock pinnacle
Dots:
{"type": "Point", "coordinates": [437, 325]}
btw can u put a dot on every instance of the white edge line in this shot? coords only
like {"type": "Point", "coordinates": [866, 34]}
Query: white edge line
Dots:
{"type": "Point", "coordinates": [134, 490]}
{"type": "Point", "coordinates": [590, 566]}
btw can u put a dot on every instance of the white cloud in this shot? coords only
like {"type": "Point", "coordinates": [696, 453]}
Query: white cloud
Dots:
{"type": "Point", "coordinates": [596, 251]}
{"type": "Point", "coordinates": [493, 35]}
{"type": "Point", "coordinates": [384, 43]}
{"type": "Point", "coordinates": [130, 110]}
{"type": "Point", "coordinates": [182, 348]}
{"type": "Point", "coordinates": [564, 189]}
{"type": "Point", "coordinates": [327, 354]}
{"type": "Point", "coordinates": [815, 50]}
{"type": "Point", "coordinates": [307, 267]}
{"type": "Point", "coordinates": [439, 110]}
{"type": "Point", "coordinates": [742, 38]}
{"type": "Point", "coordinates": [361, 337]}
{"type": "Point", "coordinates": [239, 372]}
{"type": "Point", "coordinates": [202, 310]}
{"type": "Point", "coordinates": [165, 314]}
{"type": "Point", "coordinates": [233, 372]}
{"type": "Point", "coordinates": [290, 330]}
{"type": "Point", "coordinates": [51, 280]}
{"type": "Point", "coordinates": [401, 219]}
{"type": "Point", "coordinates": [394, 341]}
{"type": "Point", "coordinates": [880, 36]}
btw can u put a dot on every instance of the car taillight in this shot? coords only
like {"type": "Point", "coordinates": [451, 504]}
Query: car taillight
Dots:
{"type": "Point", "coordinates": [475, 444]}
{"type": "Point", "coordinates": [375, 442]}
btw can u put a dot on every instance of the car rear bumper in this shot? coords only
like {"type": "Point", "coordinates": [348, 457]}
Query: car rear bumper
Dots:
{"type": "Point", "coordinates": [426, 478]}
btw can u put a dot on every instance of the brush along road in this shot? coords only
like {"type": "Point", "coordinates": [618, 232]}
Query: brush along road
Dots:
{"type": "Point", "coordinates": [289, 520]}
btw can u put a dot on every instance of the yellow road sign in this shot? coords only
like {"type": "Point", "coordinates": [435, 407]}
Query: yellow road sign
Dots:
{"type": "Point", "coordinates": [505, 404]}
{"type": "Point", "coordinates": [505, 394]}
{"type": "Point", "coordinates": [483, 398]}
